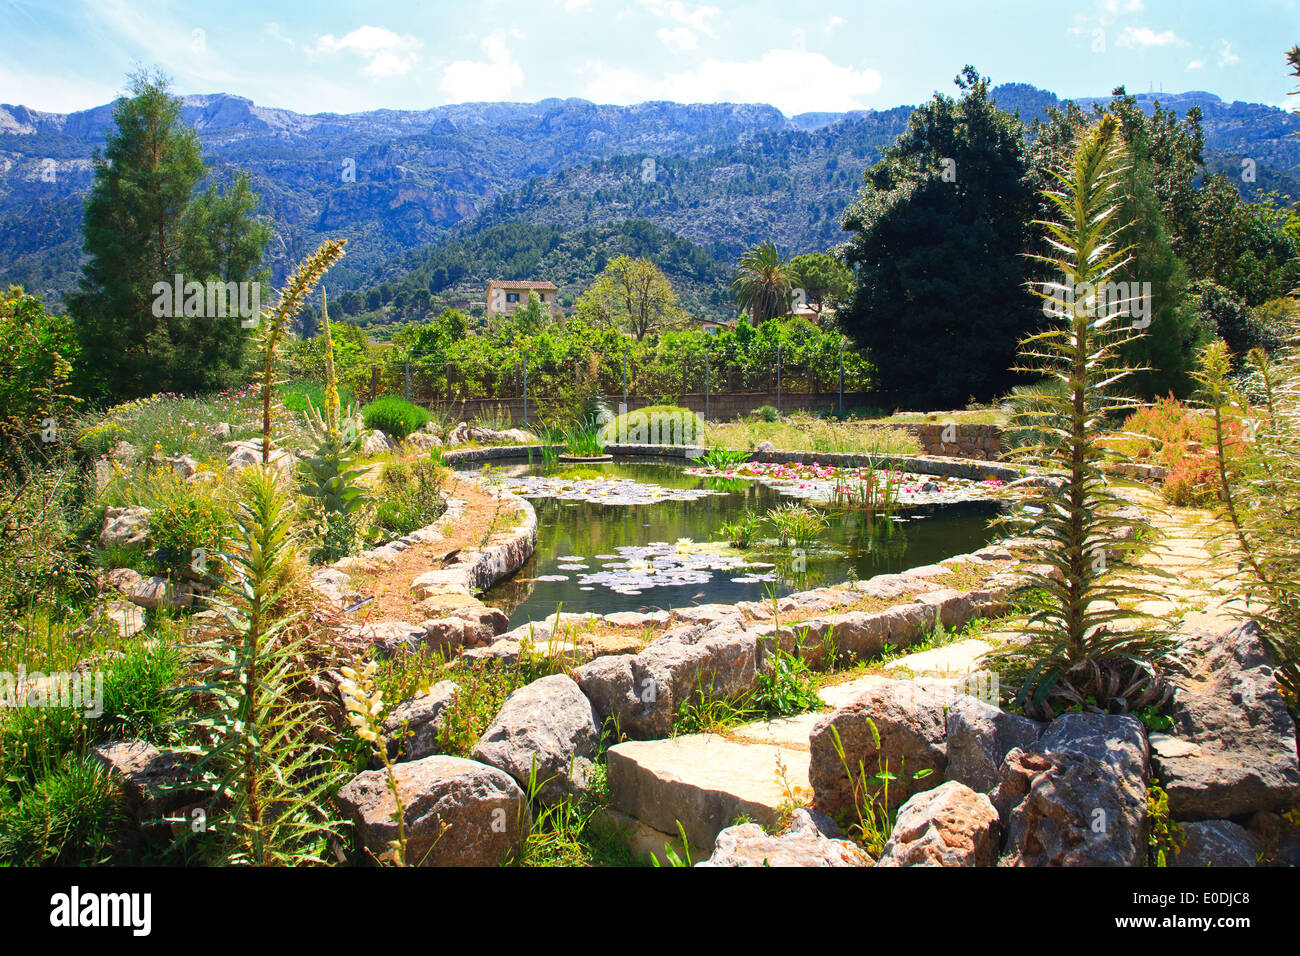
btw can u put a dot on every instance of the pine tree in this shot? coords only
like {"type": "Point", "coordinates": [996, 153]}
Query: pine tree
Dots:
{"type": "Point", "coordinates": [144, 226]}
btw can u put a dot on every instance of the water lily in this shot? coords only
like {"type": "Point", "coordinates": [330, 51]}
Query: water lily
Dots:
{"type": "Point", "coordinates": [684, 546]}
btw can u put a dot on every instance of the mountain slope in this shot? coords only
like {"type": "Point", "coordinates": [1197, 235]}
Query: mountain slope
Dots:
{"type": "Point", "coordinates": [392, 181]}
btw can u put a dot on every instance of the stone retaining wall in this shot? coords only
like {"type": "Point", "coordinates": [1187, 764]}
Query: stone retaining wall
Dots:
{"type": "Point", "coordinates": [957, 440]}
{"type": "Point", "coordinates": [948, 467]}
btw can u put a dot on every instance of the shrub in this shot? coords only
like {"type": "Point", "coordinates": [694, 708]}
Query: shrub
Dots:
{"type": "Point", "coordinates": [411, 496]}
{"type": "Point", "coordinates": [656, 425]}
{"type": "Point", "coordinates": [1263, 499]}
{"type": "Point", "coordinates": [395, 416]}
{"type": "Point", "coordinates": [187, 519]}
{"type": "Point", "coordinates": [766, 413]}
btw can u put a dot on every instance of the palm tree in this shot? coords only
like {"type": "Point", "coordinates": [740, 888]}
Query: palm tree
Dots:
{"type": "Point", "coordinates": [763, 282]}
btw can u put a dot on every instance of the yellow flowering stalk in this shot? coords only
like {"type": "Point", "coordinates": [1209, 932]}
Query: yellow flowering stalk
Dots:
{"type": "Point", "coordinates": [365, 706]}
{"type": "Point", "coordinates": [331, 380]}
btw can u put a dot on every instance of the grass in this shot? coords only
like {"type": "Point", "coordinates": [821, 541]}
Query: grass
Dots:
{"type": "Point", "coordinates": [483, 687]}
{"type": "Point", "coordinates": [802, 432]}
{"type": "Point", "coordinates": [57, 805]}
{"type": "Point", "coordinates": [796, 525]}
{"type": "Point", "coordinates": [295, 396]}
{"type": "Point", "coordinates": [172, 425]}
{"type": "Point", "coordinates": [395, 416]}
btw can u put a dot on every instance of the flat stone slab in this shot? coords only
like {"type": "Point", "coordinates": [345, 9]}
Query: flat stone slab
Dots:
{"type": "Point", "coordinates": [951, 660]}
{"type": "Point", "coordinates": [837, 695]}
{"type": "Point", "coordinates": [791, 732]}
{"type": "Point", "coordinates": [705, 781]}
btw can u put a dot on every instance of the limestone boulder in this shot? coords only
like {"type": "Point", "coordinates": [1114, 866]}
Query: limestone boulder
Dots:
{"type": "Point", "coordinates": [414, 727]}
{"type": "Point", "coordinates": [1088, 805]}
{"type": "Point", "coordinates": [155, 783]}
{"type": "Point", "coordinates": [979, 736]}
{"type": "Point", "coordinates": [124, 528]}
{"type": "Point", "coordinates": [374, 442]}
{"type": "Point", "coordinates": [951, 825]}
{"type": "Point", "coordinates": [546, 728]}
{"type": "Point", "coordinates": [893, 724]}
{"type": "Point", "coordinates": [1234, 747]}
{"type": "Point", "coordinates": [1216, 843]}
{"type": "Point", "coordinates": [457, 812]}
{"type": "Point", "coordinates": [811, 840]}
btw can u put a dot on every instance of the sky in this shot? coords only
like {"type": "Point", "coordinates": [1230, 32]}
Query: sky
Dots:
{"type": "Point", "coordinates": [798, 55]}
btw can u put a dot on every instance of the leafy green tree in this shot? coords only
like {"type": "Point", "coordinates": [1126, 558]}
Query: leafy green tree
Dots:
{"type": "Point", "coordinates": [222, 241]}
{"type": "Point", "coordinates": [37, 351]}
{"type": "Point", "coordinates": [532, 317]}
{"type": "Point", "coordinates": [939, 234]}
{"type": "Point", "coordinates": [143, 225]}
{"type": "Point", "coordinates": [1242, 246]}
{"type": "Point", "coordinates": [1162, 157]}
{"type": "Point", "coordinates": [633, 295]}
{"type": "Point", "coordinates": [1225, 316]}
{"type": "Point", "coordinates": [825, 280]}
{"type": "Point", "coordinates": [763, 283]}
{"type": "Point", "coordinates": [429, 341]}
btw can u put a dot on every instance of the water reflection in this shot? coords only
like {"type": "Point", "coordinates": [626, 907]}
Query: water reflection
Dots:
{"type": "Point", "coordinates": [598, 543]}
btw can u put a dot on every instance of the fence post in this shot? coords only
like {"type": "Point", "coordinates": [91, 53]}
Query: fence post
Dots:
{"type": "Point", "coordinates": [525, 389]}
{"type": "Point", "coordinates": [408, 380]}
{"type": "Point", "coordinates": [683, 379]}
{"type": "Point", "coordinates": [374, 382]}
{"type": "Point", "coordinates": [625, 379]}
{"type": "Point", "coordinates": [778, 378]}
{"type": "Point", "coordinates": [706, 385]}
{"type": "Point", "coordinates": [841, 375]}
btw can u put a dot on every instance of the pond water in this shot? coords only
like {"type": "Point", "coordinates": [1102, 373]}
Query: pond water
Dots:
{"type": "Point", "coordinates": [633, 535]}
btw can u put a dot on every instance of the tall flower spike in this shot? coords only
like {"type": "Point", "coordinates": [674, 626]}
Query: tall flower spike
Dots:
{"type": "Point", "coordinates": [331, 381]}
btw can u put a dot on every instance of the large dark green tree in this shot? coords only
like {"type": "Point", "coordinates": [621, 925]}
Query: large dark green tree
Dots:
{"type": "Point", "coordinates": [940, 232]}
{"type": "Point", "coordinates": [144, 225]}
{"type": "Point", "coordinates": [1162, 156]}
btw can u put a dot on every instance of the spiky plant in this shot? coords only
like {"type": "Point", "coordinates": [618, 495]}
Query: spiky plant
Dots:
{"type": "Point", "coordinates": [327, 476]}
{"type": "Point", "coordinates": [1261, 493]}
{"type": "Point", "coordinates": [1083, 647]}
{"type": "Point", "coordinates": [262, 763]}
{"type": "Point", "coordinates": [290, 302]}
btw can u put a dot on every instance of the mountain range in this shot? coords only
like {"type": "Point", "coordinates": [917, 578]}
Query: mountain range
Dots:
{"type": "Point", "coordinates": [413, 190]}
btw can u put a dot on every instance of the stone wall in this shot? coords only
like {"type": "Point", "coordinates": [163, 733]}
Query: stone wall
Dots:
{"type": "Point", "coordinates": [958, 440]}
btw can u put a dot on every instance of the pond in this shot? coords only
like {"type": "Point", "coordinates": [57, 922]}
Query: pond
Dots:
{"type": "Point", "coordinates": [633, 535]}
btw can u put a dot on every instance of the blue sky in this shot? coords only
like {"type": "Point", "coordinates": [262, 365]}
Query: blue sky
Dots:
{"type": "Point", "coordinates": [329, 55]}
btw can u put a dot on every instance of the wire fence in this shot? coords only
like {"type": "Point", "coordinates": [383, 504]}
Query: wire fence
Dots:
{"type": "Point", "coordinates": [529, 382]}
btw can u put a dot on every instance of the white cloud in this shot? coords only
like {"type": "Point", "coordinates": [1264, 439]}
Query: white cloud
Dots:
{"type": "Point", "coordinates": [386, 53]}
{"type": "Point", "coordinates": [1195, 64]}
{"type": "Point", "coordinates": [794, 81]}
{"type": "Point", "coordinates": [273, 30]}
{"type": "Point", "coordinates": [835, 23]}
{"type": "Point", "coordinates": [1226, 56]}
{"type": "Point", "coordinates": [477, 80]}
{"type": "Point", "coordinates": [53, 93]}
{"type": "Point", "coordinates": [1115, 8]}
{"type": "Point", "coordinates": [697, 18]}
{"type": "Point", "coordinates": [678, 38]}
{"type": "Point", "coordinates": [1142, 37]}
